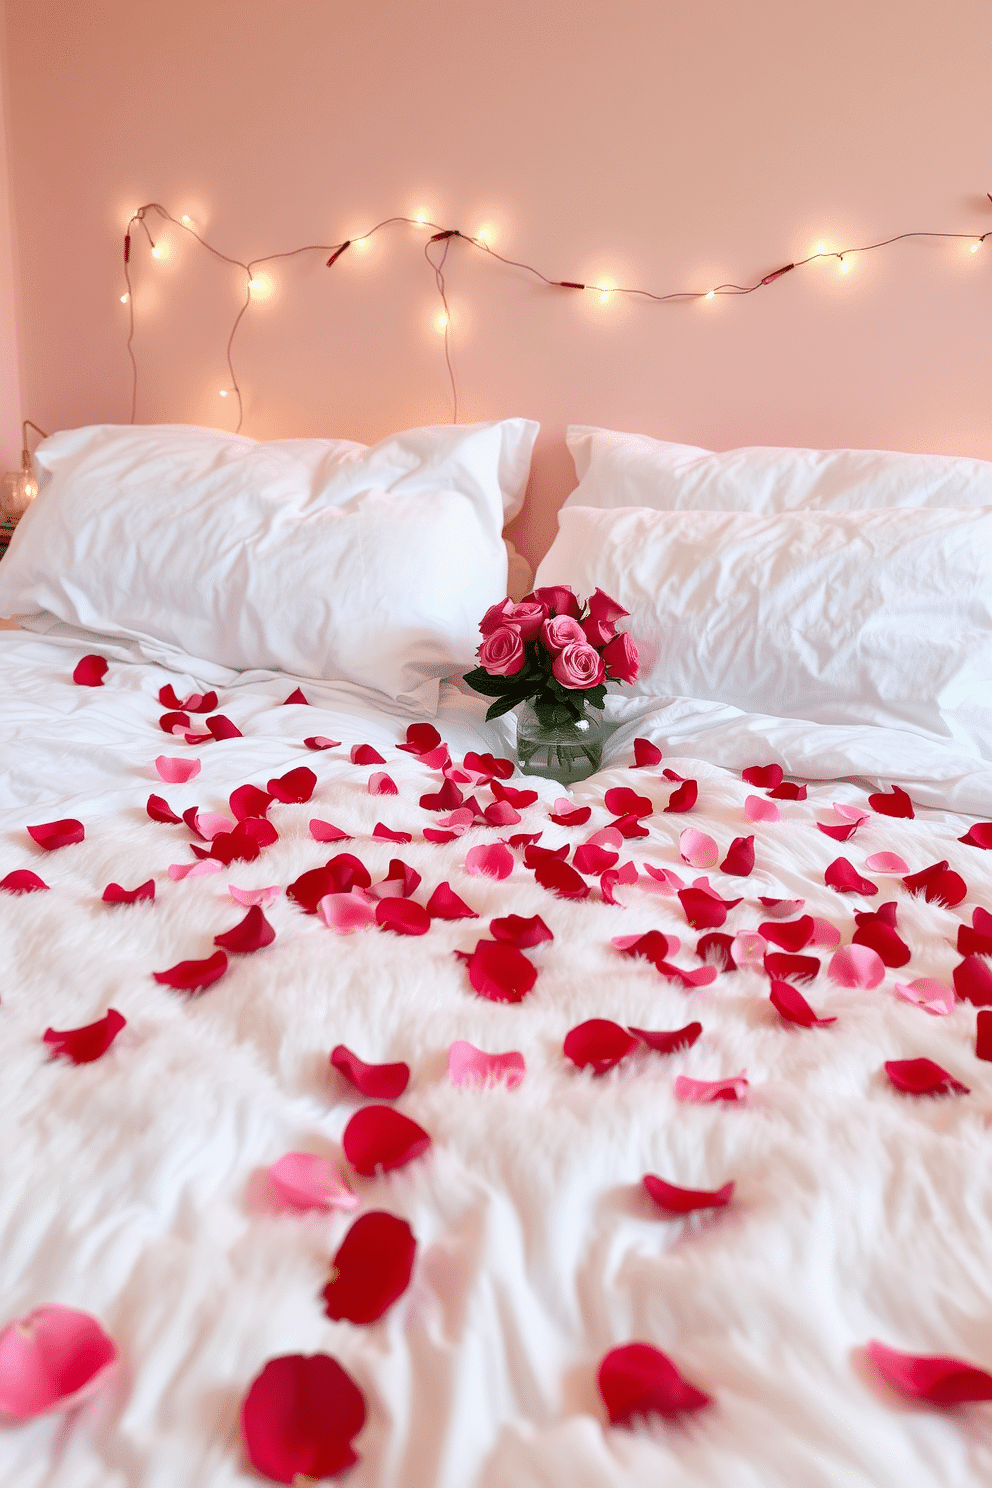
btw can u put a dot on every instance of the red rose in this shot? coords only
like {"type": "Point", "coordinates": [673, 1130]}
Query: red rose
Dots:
{"type": "Point", "coordinates": [621, 659]}
{"type": "Point", "coordinates": [601, 624]}
{"type": "Point", "coordinates": [528, 616]}
{"type": "Point", "coordinates": [579, 665]}
{"type": "Point", "coordinates": [558, 599]}
{"type": "Point", "coordinates": [558, 633]}
{"type": "Point", "coordinates": [493, 617]}
{"type": "Point", "coordinates": [502, 652]}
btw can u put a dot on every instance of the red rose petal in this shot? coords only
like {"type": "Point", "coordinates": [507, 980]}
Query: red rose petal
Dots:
{"type": "Point", "coordinates": [534, 855]}
{"type": "Point", "coordinates": [972, 942]}
{"type": "Point", "coordinates": [793, 1007]}
{"type": "Point", "coordinates": [897, 803]}
{"type": "Point", "coordinates": [90, 671]}
{"type": "Point", "coordinates": [196, 702]}
{"type": "Point", "coordinates": [381, 784]}
{"type": "Point", "coordinates": [193, 976]}
{"type": "Point", "coordinates": [500, 972]}
{"type": "Point", "coordinates": [791, 935]}
{"type": "Point", "coordinates": [159, 810]}
{"type": "Point", "coordinates": [973, 981]}
{"type": "Point", "coordinates": [51, 1360]}
{"type": "Point", "coordinates": [664, 1041]}
{"type": "Point", "coordinates": [983, 1035]}
{"type": "Point", "coordinates": [940, 884]}
{"type": "Point", "coordinates": [875, 931]}
{"type": "Point", "coordinates": [238, 846]}
{"type": "Point", "coordinates": [364, 754]}
{"type": "Point", "coordinates": [386, 834]}
{"type": "Point", "coordinates": [248, 801]}
{"type": "Point", "coordinates": [780, 908]}
{"type": "Point", "coordinates": [599, 1043]}
{"type": "Point", "coordinates": [520, 931]}
{"type": "Point", "coordinates": [51, 835]}
{"type": "Point", "coordinates": [715, 948]}
{"type": "Point", "coordinates": [339, 876]}
{"type": "Point", "coordinates": [114, 894]}
{"type": "Point", "coordinates": [646, 754]}
{"type": "Point", "coordinates": [169, 722]}
{"type": "Point", "coordinates": [448, 798]}
{"type": "Point", "coordinates": [980, 835]}
{"type": "Point", "coordinates": [561, 879]}
{"type": "Point", "coordinates": [788, 791]}
{"type": "Point", "coordinates": [588, 858]}
{"type": "Point", "coordinates": [252, 933]}
{"type": "Point", "coordinates": [421, 738]}
{"type": "Point", "coordinates": [319, 741]}
{"type": "Point", "coordinates": [932, 1377]}
{"type": "Point", "coordinates": [263, 831]}
{"type": "Point", "coordinates": [923, 1077]}
{"type": "Point", "coordinates": [684, 798]}
{"type": "Point", "coordinates": [379, 1138]}
{"type": "Point", "coordinates": [520, 798]}
{"type": "Point", "coordinates": [223, 728]}
{"type": "Point", "coordinates": [525, 839]}
{"type": "Point", "coordinates": [703, 911]}
{"type": "Point", "coordinates": [703, 1092]}
{"type": "Point", "coordinates": [841, 833]}
{"type": "Point", "coordinates": [684, 1200]}
{"type": "Point", "coordinates": [740, 857]}
{"type": "Point", "coordinates": [639, 1380]}
{"type": "Point", "coordinates": [83, 1045]}
{"type": "Point", "coordinates": [371, 1269]}
{"type": "Point", "coordinates": [763, 776]}
{"type": "Point", "coordinates": [623, 801]}
{"type": "Point", "coordinates": [402, 916]}
{"type": "Point", "coordinates": [297, 696]}
{"type": "Point", "coordinates": [299, 1417]}
{"type": "Point", "coordinates": [629, 826]}
{"type": "Point", "coordinates": [295, 787]}
{"type": "Point", "coordinates": [502, 814]}
{"type": "Point", "coordinates": [781, 964]}
{"type": "Point", "coordinates": [22, 881]}
{"type": "Point", "coordinates": [841, 875]}
{"type": "Point", "coordinates": [576, 818]}
{"type": "Point", "coordinates": [323, 831]}
{"type": "Point", "coordinates": [653, 946]}
{"type": "Point", "coordinates": [489, 764]}
{"type": "Point", "coordinates": [377, 1081]}
{"type": "Point", "coordinates": [444, 904]}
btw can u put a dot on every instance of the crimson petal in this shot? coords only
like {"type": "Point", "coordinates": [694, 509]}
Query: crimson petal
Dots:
{"type": "Point", "coordinates": [703, 911]}
{"type": "Point", "coordinates": [973, 942]}
{"type": "Point", "coordinates": [263, 831]}
{"type": "Point", "coordinates": [600, 1043]}
{"type": "Point", "coordinates": [623, 801]}
{"type": "Point", "coordinates": [170, 721]}
{"type": "Point", "coordinates": [653, 945]}
{"type": "Point", "coordinates": [249, 800]}
{"type": "Point", "coordinates": [444, 904]}
{"type": "Point", "coordinates": [238, 846]}
{"type": "Point", "coordinates": [448, 798]}
{"type": "Point", "coordinates": [561, 879]}
{"type": "Point", "coordinates": [90, 671]}
{"type": "Point", "coordinates": [791, 935]}
{"type": "Point", "coordinates": [520, 931]}
{"type": "Point", "coordinates": [114, 894]}
{"type": "Point", "coordinates": [193, 976]}
{"type": "Point", "coordinates": [576, 818]}
{"type": "Point", "coordinates": [840, 833]}
{"type": "Point", "coordinates": [379, 1138]}
{"type": "Point", "coordinates": [22, 881]}
{"type": "Point", "coordinates": [793, 1007]}
{"type": "Point", "coordinates": [983, 1035]}
{"type": "Point", "coordinates": [897, 803]}
{"type": "Point", "coordinates": [973, 981]}
{"type": "Point", "coordinates": [319, 741]}
{"type": "Point", "coordinates": [715, 947]}
{"type": "Point", "coordinates": [980, 835]}
{"type": "Point", "coordinates": [639, 1380]}
{"type": "Point", "coordinates": [223, 728]}
{"type": "Point", "coordinates": [588, 858]}
{"type": "Point", "coordinates": [250, 934]}
{"type": "Point", "coordinates": [51, 835]}
{"type": "Point", "coordinates": [874, 931]}
{"type": "Point", "coordinates": [421, 738]}
{"type": "Point", "coordinates": [295, 787]}
{"type": "Point", "coordinates": [371, 1269]}
{"type": "Point", "coordinates": [923, 1077]}
{"type": "Point", "coordinates": [684, 1200]}
{"type": "Point", "coordinates": [83, 1045]}
{"type": "Point", "coordinates": [932, 1377]}
{"type": "Point", "coordinates": [364, 754]}
{"type": "Point", "coordinates": [788, 791]}
{"type": "Point", "coordinates": [684, 798]}
{"type": "Point", "coordinates": [159, 810]}
{"type": "Point", "coordinates": [740, 857]}
{"type": "Point", "coordinates": [667, 1041]}
{"type": "Point", "coordinates": [297, 696]}
{"type": "Point", "coordinates": [781, 964]}
{"type": "Point", "coordinates": [386, 834]}
{"type": "Point", "coordinates": [519, 798]}
{"type": "Point", "coordinates": [939, 883]}
{"type": "Point", "coordinates": [500, 972]}
{"type": "Point", "coordinates": [338, 876]}
{"type": "Point", "coordinates": [646, 754]}
{"type": "Point", "coordinates": [763, 776]}
{"type": "Point", "coordinates": [299, 1417]}
{"type": "Point", "coordinates": [841, 875]}
{"type": "Point", "coordinates": [378, 1081]}
{"type": "Point", "coordinates": [402, 916]}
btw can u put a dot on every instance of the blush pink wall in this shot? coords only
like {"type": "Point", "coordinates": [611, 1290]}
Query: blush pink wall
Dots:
{"type": "Point", "coordinates": [10, 368]}
{"type": "Point", "coordinates": [660, 143]}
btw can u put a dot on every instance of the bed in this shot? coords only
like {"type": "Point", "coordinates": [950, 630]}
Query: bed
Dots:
{"type": "Point", "coordinates": [809, 1024]}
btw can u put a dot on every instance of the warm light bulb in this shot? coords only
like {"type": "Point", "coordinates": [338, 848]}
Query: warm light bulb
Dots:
{"type": "Point", "coordinates": [259, 286]}
{"type": "Point", "coordinates": [820, 249]}
{"type": "Point", "coordinates": [158, 252]}
{"type": "Point", "coordinates": [975, 246]}
{"type": "Point", "coordinates": [484, 235]}
{"type": "Point", "coordinates": [844, 265]}
{"type": "Point", "coordinates": [123, 299]}
{"type": "Point", "coordinates": [421, 218]}
{"type": "Point", "coordinates": [359, 242]}
{"type": "Point", "coordinates": [223, 392]}
{"type": "Point", "coordinates": [187, 221]}
{"type": "Point", "coordinates": [710, 294]}
{"type": "Point", "coordinates": [441, 323]}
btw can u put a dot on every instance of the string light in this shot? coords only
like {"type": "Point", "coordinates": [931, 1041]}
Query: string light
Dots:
{"type": "Point", "coordinates": [257, 286]}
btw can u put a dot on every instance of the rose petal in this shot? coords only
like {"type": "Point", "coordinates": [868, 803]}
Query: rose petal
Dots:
{"type": "Point", "coordinates": [175, 724]}
{"type": "Point", "coordinates": [622, 801]}
{"type": "Point", "coordinates": [701, 1091]}
{"type": "Point", "coordinates": [386, 834]}
{"type": "Point", "coordinates": [325, 831]}
{"type": "Point", "coordinates": [824, 934]}
{"type": "Point", "coordinates": [639, 1380]}
{"type": "Point", "coordinates": [364, 754]}
{"type": "Point", "coordinates": [793, 1007]}
{"type": "Point", "coordinates": [52, 835]}
{"type": "Point", "coordinates": [780, 909]}
{"type": "Point", "coordinates": [193, 976]}
{"type": "Point", "coordinates": [938, 883]}
{"type": "Point", "coordinates": [791, 935]}
{"type": "Point", "coordinates": [763, 776]}
{"type": "Point", "coordinates": [748, 948]}
{"type": "Point", "coordinates": [378, 1081]}
{"type": "Point", "coordinates": [299, 1417]}
{"type": "Point", "coordinates": [344, 913]}
{"type": "Point", "coordinates": [448, 798]}
{"type": "Point", "coordinates": [666, 1041]}
{"type": "Point", "coordinates": [928, 993]}
{"type": "Point", "coordinates": [319, 741]}
{"type": "Point", "coordinates": [490, 860]}
{"type": "Point", "coordinates": [114, 894]}
{"type": "Point", "coordinates": [519, 931]}
{"type": "Point", "coordinates": [379, 1138]}
{"type": "Point", "coordinates": [560, 878]}
{"type": "Point", "coordinates": [195, 703]}
{"type": "Point", "coordinates": [980, 835]}
{"type": "Point", "coordinates": [444, 904]}
{"type": "Point", "coordinates": [973, 981]}
{"type": "Point", "coordinates": [598, 1043]}
{"type": "Point", "coordinates": [159, 810]}
{"type": "Point", "coordinates": [51, 1360]}
{"type": "Point", "coordinates": [652, 945]}
{"type": "Point", "coordinates": [840, 875]}
{"type": "Point", "coordinates": [698, 849]}
{"type": "Point", "coordinates": [521, 798]}
{"type": "Point", "coordinates": [703, 911]}
{"type": "Point", "coordinates": [882, 938]}
{"type": "Point", "coordinates": [210, 823]}
{"type": "Point", "coordinates": [646, 754]}
{"type": "Point", "coordinates": [684, 798]}
{"type": "Point", "coordinates": [176, 771]}
{"type": "Point", "coordinates": [983, 1035]}
{"type": "Point", "coordinates": [262, 897]}
{"type": "Point", "coordinates": [717, 949]}
{"type": "Point", "coordinates": [177, 871]}
{"type": "Point", "coordinates": [897, 803]}
{"type": "Point", "coordinates": [757, 808]}
{"type": "Point", "coordinates": [338, 876]}
{"type": "Point", "coordinates": [499, 972]}
{"type": "Point", "coordinates": [788, 791]}
{"type": "Point", "coordinates": [381, 784]}
{"type": "Point", "coordinates": [591, 859]}
{"type": "Point", "coordinates": [22, 881]}
{"type": "Point", "coordinates": [402, 916]}
{"type": "Point", "coordinates": [249, 802]}
{"type": "Point", "coordinates": [371, 1269]}
{"type": "Point", "coordinates": [90, 671]}
{"type": "Point", "coordinates": [305, 1181]}
{"type": "Point", "coordinates": [932, 1377]}
{"type": "Point", "coordinates": [565, 815]}
{"type": "Point", "coordinates": [421, 738]}
{"type": "Point", "coordinates": [223, 728]}
{"type": "Point", "coordinates": [237, 846]}
{"type": "Point", "coordinates": [252, 933]}
{"type": "Point", "coordinates": [839, 834]}
{"type": "Point", "coordinates": [83, 1045]}
{"type": "Point", "coordinates": [781, 964]}
{"type": "Point", "coordinates": [684, 1200]}
{"type": "Point", "coordinates": [923, 1077]}
{"type": "Point", "coordinates": [472, 1067]}
{"type": "Point", "coordinates": [886, 862]}
{"type": "Point", "coordinates": [295, 787]}
{"type": "Point", "coordinates": [671, 883]}
{"type": "Point", "coordinates": [856, 966]}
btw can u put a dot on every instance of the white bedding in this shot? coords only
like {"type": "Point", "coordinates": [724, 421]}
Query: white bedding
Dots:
{"type": "Point", "coordinates": [134, 1187]}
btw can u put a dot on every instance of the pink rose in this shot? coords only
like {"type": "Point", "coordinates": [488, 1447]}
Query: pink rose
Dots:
{"type": "Point", "coordinates": [560, 632]}
{"type": "Point", "coordinates": [621, 659]}
{"type": "Point", "coordinates": [558, 599]}
{"type": "Point", "coordinates": [601, 624]}
{"type": "Point", "coordinates": [528, 616]}
{"type": "Point", "coordinates": [579, 665]}
{"type": "Point", "coordinates": [493, 617]}
{"type": "Point", "coordinates": [502, 652]}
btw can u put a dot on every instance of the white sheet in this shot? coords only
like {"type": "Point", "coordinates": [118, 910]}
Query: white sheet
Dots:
{"type": "Point", "coordinates": [133, 1187]}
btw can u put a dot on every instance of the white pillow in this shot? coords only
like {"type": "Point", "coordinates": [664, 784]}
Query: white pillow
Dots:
{"type": "Point", "coordinates": [320, 558]}
{"type": "Point", "coordinates": [633, 470]}
{"type": "Point", "coordinates": [876, 617]}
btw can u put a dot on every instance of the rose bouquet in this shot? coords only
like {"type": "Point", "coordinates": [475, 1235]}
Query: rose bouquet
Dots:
{"type": "Point", "coordinates": [553, 652]}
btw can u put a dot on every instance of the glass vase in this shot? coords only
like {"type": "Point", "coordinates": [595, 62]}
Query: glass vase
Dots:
{"type": "Point", "coordinates": [557, 746]}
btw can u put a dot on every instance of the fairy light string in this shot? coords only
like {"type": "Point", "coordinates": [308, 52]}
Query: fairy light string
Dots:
{"type": "Point", "coordinates": [439, 244]}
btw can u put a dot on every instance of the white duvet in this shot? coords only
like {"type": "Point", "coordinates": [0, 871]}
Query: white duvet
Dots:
{"type": "Point", "coordinates": [134, 1187]}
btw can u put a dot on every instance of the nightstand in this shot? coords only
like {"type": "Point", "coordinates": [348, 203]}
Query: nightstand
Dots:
{"type": "Point", "coordinates": [6, 533]}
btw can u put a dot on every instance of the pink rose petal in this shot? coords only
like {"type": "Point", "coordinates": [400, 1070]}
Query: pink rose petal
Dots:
{"type": "Point", "coordinates": [855, 814]}
{"type": "Point", "coordinates": [928, 993]}
{"type": "Point", "coordinates": [83, 1045]}
{"type": "Point", "coordinates": [856, 966]}
{"type": "Point", "coordinates": [701, 1091]}
{"type": "Point", "coordinates": [748, 948]}
{"type": "Point", "coordinates": [667, 1041]}
{"type": "Point", "coordinates": [757, 808]}
{"type": "Point", "coordinates": [177, 871]}
{"type": "Point", "coordinates": [114, 894]}
{"type": "Point", "coordinates": [793, 1007]}
{"type": "Point", "coordinates": [90, 671]}
{"type": "Point", "coordinates": [177, 771]}
{"type": "Point", "coordinates": [381, 784]}
{"type": "Point", "coordinates": [379, 1138]}
{"type": "Point", "coordinates": [590, 859]}
{"type": "Point", "coordinates": [932, 1377]}
{"type": "Point", "coordinates": [325, 831]}
{"type": "Point", "coordinates": [600, 1043]}
{"type": "Point", "coordinates": [886, 862]}
{"type": "Point", "coordinates": [22, 881]}
{"type": "Point", "coordinates": [923, 1077]}
{"type": "Point", "coordinates": [262, 897]}
{"type": "Point", "coordinates": [51, 1360]}
{"type": "Point", "coordinates": [697, 849]}
{"type": "Point", "coordinates": [489, 860]}
{"type": "Point", "coordinates": [824, 934]}
{"type": "Point", "coordinates": [472, 1067]}
{"type": "Point", "coordinates": [671, 883]}
{"type": "Point", "coordinates": [346, 912]}
{"type": "Point", "coordinates": [377, 1081]}
{"type": "Point", "coordinates": [638, 1380]}
{"type": "Point", "coordinates": [305, 1181]}
{"type": "Point", "coordinates": [320, 741]}
{"type": "Point", "coordinates": [780, 909]}
{"type": "Point", "coordinates": [299, 1417]}
{"type": "Point", "coordinates": [677, 1200]}
{"type": "Point", "coordinates": [210, 823]}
